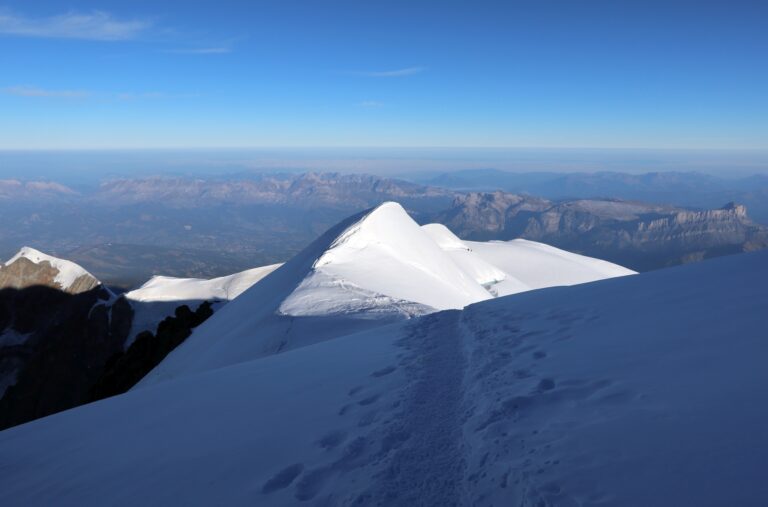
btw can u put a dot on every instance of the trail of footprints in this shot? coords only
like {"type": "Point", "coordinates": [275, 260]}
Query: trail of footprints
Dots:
{"type": "Point", "coordinates": [345, 453]}
{"type": "Point", "coordinates": [522, 462]}
{"type": "Point", "coordinates": [523, 458]}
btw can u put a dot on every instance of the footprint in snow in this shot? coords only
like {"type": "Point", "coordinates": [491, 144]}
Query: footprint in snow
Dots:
{"type": "Point", "coordinates": [282, 479]}
{"type": "Point", "coordinates": [384, 371]}
{"type": "Point", "coordinates": [332, 439]}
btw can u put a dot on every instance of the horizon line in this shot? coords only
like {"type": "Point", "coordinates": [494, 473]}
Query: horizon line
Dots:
{"type": "Point", "coordinates": [384, 147]}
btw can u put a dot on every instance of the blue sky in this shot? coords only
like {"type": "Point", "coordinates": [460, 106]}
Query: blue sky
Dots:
{"type": "Point", "coordinates": [287, 73]}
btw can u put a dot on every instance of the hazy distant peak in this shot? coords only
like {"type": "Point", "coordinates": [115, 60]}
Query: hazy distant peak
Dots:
{"type": "Point", "coordinates": [17, 189]}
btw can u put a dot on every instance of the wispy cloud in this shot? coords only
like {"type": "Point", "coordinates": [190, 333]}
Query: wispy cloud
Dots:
{"type": "Point", "coordinates": [33, 91]}
{"type": "Point", "coordinates": [154, 95]}
{"type": "Point", "coordinates": [200, 51]}
{"type": "Point", "coordinates": [370, 104]}
{"type": "Point", "coordinates": [408, 71]}
{"type": "Point", "coordinates": [37, 92]}
{"type": "Point", "coordinates": [95, 25]}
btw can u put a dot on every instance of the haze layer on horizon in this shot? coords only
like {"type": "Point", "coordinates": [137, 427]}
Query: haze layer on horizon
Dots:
{"type": "Point", "coordinates": [90, 166]}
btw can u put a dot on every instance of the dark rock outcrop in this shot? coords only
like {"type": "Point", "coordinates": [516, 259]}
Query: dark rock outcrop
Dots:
{"type": "Point", "coordinates": [125, 369]}
{"type": "Point", "coordinates": [64, 342]}
{"type": "Point", "coordinates": [62, 345]}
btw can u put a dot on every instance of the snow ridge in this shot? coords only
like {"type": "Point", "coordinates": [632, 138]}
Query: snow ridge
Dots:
{"type": "Point", "coordinates": [161, 295]}
{"type": "Point", "coordinates": [225, 288]}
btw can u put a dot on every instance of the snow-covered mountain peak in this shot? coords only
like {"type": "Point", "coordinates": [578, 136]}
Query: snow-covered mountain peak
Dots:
{"type": "Point", "coordinates": [51, 271]}
{"type": "Point", "coordinates": [378, 226]}
{"type": "Point", "coordinates": [387, 254]}
{"type": "Point", "coordinates": [388, 227]}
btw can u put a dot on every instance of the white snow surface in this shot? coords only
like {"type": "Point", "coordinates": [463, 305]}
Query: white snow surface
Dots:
{"type": "Point", "coordinates": [387, 253]}
{"type": "Point", "coordinates": [634, 391]}
{"type": "Point", "coordinates": [225, 288]}
{"type": "Point", "coordinates": [372, 269]}
{"type": "Point", "coordinates": [483, 272]}
{"type": "Point", "coordinates": [161, 295]}
{"type": "Point", "coordinates": [69, 272]}
{"type": "Point", "coordinates": [444, 238]}
{"type": "Point", "coordinates": [538, 265]}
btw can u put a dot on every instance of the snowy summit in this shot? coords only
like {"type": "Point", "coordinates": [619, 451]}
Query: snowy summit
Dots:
{"type": "Point", "coordinates": [32, 267]}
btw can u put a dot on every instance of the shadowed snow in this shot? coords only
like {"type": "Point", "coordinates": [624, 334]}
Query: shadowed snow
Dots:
{"type": "Point", "coordinates": [633, 391]}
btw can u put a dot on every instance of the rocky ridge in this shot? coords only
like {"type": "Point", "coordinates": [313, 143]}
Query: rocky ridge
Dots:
{"type": "Point", "coordinates": [638, 235]}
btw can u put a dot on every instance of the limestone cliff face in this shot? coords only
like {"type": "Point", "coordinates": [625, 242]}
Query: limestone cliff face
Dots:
{"type": "Point", "coordinates": [638, 235]}
{"type": "Point", "coordinates": [729, 225]}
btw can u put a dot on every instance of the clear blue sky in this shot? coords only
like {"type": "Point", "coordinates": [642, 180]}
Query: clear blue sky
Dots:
{"type": "Point", "coordinates": [143, 74]}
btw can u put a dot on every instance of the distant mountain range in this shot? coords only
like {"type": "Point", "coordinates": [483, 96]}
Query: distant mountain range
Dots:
{"type": "Point", "coordinates": [125, 231]}
{"type": "Point", "coordinates": [684, 189]}
{"type": "Point", "coordinates": [307, 190]}
{"type": "Point", "coordinates": [642, 236]}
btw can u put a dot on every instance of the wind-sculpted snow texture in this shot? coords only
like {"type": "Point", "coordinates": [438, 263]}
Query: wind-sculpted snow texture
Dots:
{"type": "Point", "coordinates": [634, 391]}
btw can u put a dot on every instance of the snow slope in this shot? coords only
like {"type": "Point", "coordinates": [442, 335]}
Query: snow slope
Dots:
{"type": "Point", "coordinates": [538, 265]}
{"type": "Point", "coordinates": [161, 295]}
{"type": "Point", "coordinates": [510, 267]}
{"type": "Point", "coordinates": [68, 272]}
{"type": "Point", "coordinates": [372, 269]}
{"type": "Point", "coordinates": [633, 391]}
{"type": "Point", "coordinates": [481, 271]}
